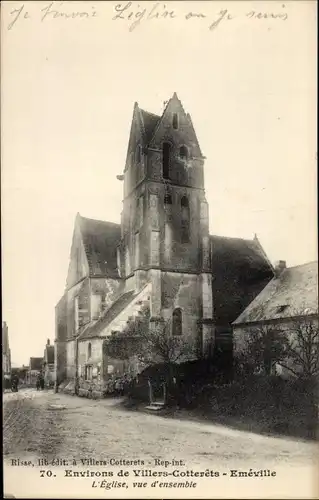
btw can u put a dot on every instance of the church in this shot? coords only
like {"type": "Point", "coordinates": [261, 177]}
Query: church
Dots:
{"type": "Point", "coordinates": [161, 258]}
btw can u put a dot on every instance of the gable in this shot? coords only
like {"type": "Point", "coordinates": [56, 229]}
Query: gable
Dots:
{"type": "Point", "coordinates": [136, 136]}
{"type": "Point", "coordinates": [183, 134]}
{"type": "Point", "coordinates": [78, 264]}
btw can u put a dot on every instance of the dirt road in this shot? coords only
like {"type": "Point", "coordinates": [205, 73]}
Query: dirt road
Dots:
{"type": "Point", "coordinates": [56, 426]}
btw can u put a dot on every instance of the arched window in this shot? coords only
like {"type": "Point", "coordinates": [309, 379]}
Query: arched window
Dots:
{"type": "Point", "coordinates": [184, 202]}
{"type": "Point", "coordinates": [138, 154]}
{"type": "Point", "coordinates": [185, 220]}
{"type": "Point", "coordinates": [175, 121]}
{"type": "Point", "coordinates": [177, 328]}
{"type": "Point", "coordinates": [166, 159]}
{"type": "Point", "coordinates": [183, 152]}
{"type": "Point", "coordinates": [89, 350]}
{"type": "Point", "coordinates": [167, 199]}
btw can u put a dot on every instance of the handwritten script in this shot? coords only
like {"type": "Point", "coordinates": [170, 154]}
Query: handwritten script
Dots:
{"type": "Point", "coordinates": [134, 14]}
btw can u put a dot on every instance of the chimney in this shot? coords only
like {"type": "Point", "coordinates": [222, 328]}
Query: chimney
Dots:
{"type": "Point", "coordinates": [48, 342]}
{"type": "Point", "coordinates": [279, 267]}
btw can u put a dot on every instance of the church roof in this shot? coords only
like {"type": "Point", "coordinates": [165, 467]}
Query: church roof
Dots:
{"type": "Point", "coordinates": [150, 122]}
{"type": "Point", "coordinates": [240, 267]}
{"type": "Point", "coordinates": [293, 293]}
{"type": "Point", "coordinates": [93, 329]}
{"type": "Point", "coordinates": [240, 271]}
{"type": "Point", "coordinates": [100, 240]}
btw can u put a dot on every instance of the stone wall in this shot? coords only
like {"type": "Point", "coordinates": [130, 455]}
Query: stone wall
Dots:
{"type": "Point", "coordinates": [182, 291]}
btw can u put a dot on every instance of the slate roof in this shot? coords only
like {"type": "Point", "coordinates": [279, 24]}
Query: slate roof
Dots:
{"type": "Point", "coordinates": [294, 292]}
{"type": "Point", "coordinates": [150, 122]}
{"type": "Point", "coordinates": [93, 329]}
{"type": "Point", "coordinates": [100, 240]}
{"type": "Point", "coordinates": [240, 271]}
{"type": "Point", "coordinates": [36, 364]}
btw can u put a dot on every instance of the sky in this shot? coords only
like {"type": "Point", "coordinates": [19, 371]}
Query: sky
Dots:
{"type": "Point", "coordinates": [67, 96]}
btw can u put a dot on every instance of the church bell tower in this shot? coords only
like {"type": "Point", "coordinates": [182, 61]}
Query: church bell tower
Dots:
{"type": "Point", "coordinates": [165, 222]}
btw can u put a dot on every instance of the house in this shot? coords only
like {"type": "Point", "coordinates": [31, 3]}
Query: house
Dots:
{"type": "Point", "coordinates": [288, 303]}
{"type": "Point", "coordinates": [35, 367]}
{"type": "Point", "coordinates": [160, 259]}
{"type": "Point", "coordinates": [48, 364]}
{"type": "Point", "coordinates": [6, 353]}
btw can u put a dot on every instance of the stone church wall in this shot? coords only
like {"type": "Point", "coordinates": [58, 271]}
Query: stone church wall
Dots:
{"type": "Point", "coordinates": [182, 291]}
{"type": "Point", "coordinates": [70, 354]}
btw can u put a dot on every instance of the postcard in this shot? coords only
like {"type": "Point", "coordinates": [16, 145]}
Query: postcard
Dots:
{"type": "Point", "coordinates": [160, 268]}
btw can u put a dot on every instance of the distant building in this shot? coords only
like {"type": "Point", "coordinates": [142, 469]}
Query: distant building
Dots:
{"type": "Point", "coordinates": [48, 364]}
{"type": "Point", "coordinates": [289, 303]}
{"type": "Point", "coordinates": [160, 258]}
{"type": "Point", "coordinates": [6, 353]}
{"type": "Point", "coordinates": [35, 367]}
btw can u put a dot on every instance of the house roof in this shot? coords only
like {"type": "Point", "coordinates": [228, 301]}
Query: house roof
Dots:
{"type": "Point", "coordinates": [36, 364]}
{"type": "Point", "coordinates": [240, 271]}
{"type": "Point", "coordinates": [293, 293]}
{"type": "Point", "coordinates": [100, 240]}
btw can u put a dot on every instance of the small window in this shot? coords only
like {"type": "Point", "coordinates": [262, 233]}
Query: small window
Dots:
{"type": "Point", "coordinates": [177, 322]}
{"type": "Point", "coordinates": [138, 154]}
{"type": "Point", "coordinates": [175, 121]}
{"type": "Point", "coordinates": [76, 313]}
{"type": "Point", "coordinates": [185, 220]}
{"type": "Point", "coordinates": [89, 350]}
{"type": "Point", "coordinates": [167, 199]}
{"type": "Point", "coordinates": [166, 159]}
{"type": "Point", "coordinates": [183, 152]}
{"type": "Point", "coordinates": [184, 201]}
{"type": "Point", "coordinates": [281, 309]}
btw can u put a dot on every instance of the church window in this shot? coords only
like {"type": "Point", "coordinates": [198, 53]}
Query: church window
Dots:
{"type": "Point", "coordinates": [183, 152]}
{"type": "Point", "coordinates": [137, 250]}
{"type": "Point", "coordinates": [76, 313]}
{"type": "Point", "coordinates": [177, 329]}
{"type": "Point", "coordinates": [185, 220]}
{"type": "Point", "coordinates": [141, 209]}
{"type": "Point", "coordinates": [138, 154]}
{"type": "Point", "coordinates": [167, 199]}
{"type": "Point", "coordinates": [166, 159]}
{"type": "Point", "coordinates": [89, 350]}
{"type": "Point", "coordinates": [175, 121]}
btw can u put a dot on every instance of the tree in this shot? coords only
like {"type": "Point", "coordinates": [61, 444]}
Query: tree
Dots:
{"type": "Point", "coordinates": [266, 346]}
{"type": "Point", "coordinates": [302, 352]}
{"type": "Point", "coordinates": [149, 346]}
{"type": "Point", "coordinates": [164, 347]}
